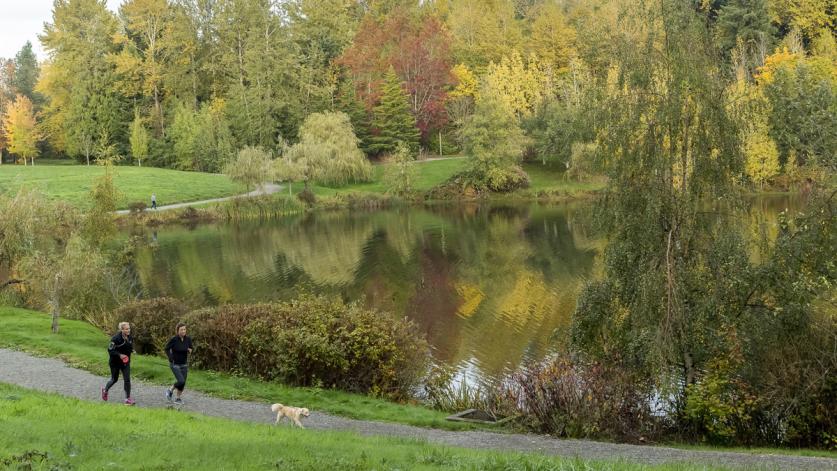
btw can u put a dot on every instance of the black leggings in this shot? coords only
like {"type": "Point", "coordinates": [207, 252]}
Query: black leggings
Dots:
{"type": "Point", "coordinates": [180, 373]}
{"type": "Point", "coordinates": [115, 368]}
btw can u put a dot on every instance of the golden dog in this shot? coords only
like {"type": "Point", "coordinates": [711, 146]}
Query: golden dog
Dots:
{"type": "Point", "coordinates": [293, 413]}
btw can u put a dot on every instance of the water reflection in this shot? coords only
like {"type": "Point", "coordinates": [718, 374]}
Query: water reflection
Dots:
{"type": "Point", "coordinates": [489, 285]}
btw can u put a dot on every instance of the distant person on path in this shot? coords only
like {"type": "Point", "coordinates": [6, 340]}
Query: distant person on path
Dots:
{"type": "Point", "coordinates": [153, 201]}
{"type": "Point", "coordinates": [178, 349]}
{"type": "Point", "coordinates": [120, 349]}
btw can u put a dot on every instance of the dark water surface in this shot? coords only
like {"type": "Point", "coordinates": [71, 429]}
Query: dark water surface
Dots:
{"type": "Point", "coordinates": [490, 286]}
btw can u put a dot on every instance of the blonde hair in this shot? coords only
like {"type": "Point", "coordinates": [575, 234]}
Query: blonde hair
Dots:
{"type": "Point", "coordinates": [122, 324]}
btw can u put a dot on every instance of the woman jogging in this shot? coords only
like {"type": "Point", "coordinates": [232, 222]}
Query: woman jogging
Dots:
{"type": "Point", "coordinates": [178, 349]}
{"type": "Point", "coordinates": [120, 349]}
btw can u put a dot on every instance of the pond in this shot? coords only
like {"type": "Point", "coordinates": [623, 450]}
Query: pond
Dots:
{"type": "Point", "coordinates": [491, 286]}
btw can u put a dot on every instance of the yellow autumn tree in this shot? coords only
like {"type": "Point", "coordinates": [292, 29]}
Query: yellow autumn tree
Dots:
{"type": "Point", "coordinates": [553, 39]}
{"type": "Point", "coordinates": [781, 58]}
{"type": "Point", "coordinates": [21, 129]}
{"type": "Point", "coordinates": [466, 82]}
{"type": "Point", "coordinates": [520, 85]}
{"type": "Point", "coordinates": [761, 156]}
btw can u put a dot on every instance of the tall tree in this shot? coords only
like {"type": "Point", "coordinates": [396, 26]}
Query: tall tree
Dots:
{"type": "Point", "coordinates": [349, 103]}
{"type": "Point", "coordinates": [803, 97]}
{"type": "Point", "coordinates": [808, 16]}
{"type": "Point", "coordinates": [140, 62]}
{"type": "Point", "coordinates": [484, 31]}
{"type": "Point", "coordinates": [26, 72]}
{"type": "Point", "coordinates": [79, 81]}
{"type": "Point", "coordinates": [21, 129]}
{"type": "Point", "coordinates": [668, 143]}
{"type": "Point", "coordinates": [553, 39]}
{"type": "Point", "coordinates": [392, 120]}
{"type": "Point", "coordinates": [745, 24]}
{"type": "Point", "coordinates": [257, 68]}
{"type": "Point", "coordinates": [494, 143]}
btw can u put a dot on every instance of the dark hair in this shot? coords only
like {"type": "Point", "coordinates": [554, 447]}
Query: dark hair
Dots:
{"type": "Point", "coordinates": [179, 325]}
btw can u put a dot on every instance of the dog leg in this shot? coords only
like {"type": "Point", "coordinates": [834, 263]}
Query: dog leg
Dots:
{"type": "Point", "coordinates": [296, 421]}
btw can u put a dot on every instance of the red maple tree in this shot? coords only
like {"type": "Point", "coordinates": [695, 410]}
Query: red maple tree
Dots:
{"type": "Point", "coordinates": [418, 48]}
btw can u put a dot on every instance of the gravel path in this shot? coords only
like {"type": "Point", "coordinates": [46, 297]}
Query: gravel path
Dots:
{"type": "Point", "coordinates": [266, 189]}
{"type": "Point", "coordinates": [47, 374]}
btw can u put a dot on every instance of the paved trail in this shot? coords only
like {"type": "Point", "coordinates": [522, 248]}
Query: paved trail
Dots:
{"type": "Point", "coordinates": [266, 189]}
{"type": "Point", "coordinates": [47, 374]}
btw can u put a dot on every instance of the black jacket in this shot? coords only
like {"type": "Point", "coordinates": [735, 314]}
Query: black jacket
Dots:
{"type": "Point", "coordinates": [119, 345]}
{"type": "Point", "coordinates": [178, 350]}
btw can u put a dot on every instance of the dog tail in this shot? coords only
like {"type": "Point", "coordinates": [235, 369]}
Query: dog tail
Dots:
{"type": "Point", "coordinates": [275, 407]}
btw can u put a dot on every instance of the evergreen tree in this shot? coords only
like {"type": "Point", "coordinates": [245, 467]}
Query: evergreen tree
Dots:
{"type": "Point", "coordinates": [392, 120]}
{"type": "Point", "coordinates": [745, 24]}
{"type": "Point", "coordinates": [348, 102]}
{"type": "Point", "coordinates": [26, 72]}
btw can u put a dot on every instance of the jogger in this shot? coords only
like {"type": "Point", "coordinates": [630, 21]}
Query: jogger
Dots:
{"type": "Point", "coordinates": [178, 349]}
{"type": "Point", "coordinates": [119, 353]}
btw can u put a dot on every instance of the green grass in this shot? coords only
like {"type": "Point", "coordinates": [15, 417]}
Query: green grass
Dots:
{"type": "Point", "coordinates": [430, 174]}
{"type": "Point", "coordinates": [548, 178]}
{"type": "Point", "coordinates": [83, 346]}
{"type": "Point", "coordinates": [760, 450]}
{"type": "Point", "coordinates": [72, 183]}
{"type": "Point", "coordinates": [46, 431]}
{"type": "Point", "coordinates": [434, 172]}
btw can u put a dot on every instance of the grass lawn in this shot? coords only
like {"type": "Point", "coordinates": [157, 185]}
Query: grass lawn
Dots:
{"type": "Point", "coordinates": [548, 178]}
{"type": "Point", "coordinates": [83, 346]}
{"type": "Point", "coordinates": [434, 172]}
{"type": "Point", "coordinates": [46, 431]}
{"type": "Point", "coordinates": [72, 183]}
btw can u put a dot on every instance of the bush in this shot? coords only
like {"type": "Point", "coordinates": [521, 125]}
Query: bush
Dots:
{"type": "Point", "coordinates": [567, 398]}
{"type": "Point", "coordinates": [218, 329]}
{"type": "Point", "coordinates": [307, 196]}
{"type": "Point", "coordinates": [137, 207]}
{"type": "Point", "coordinates": [313, 341]}
{"type": "Point", "coordinates": [719, 406]}
{"type": "Point", "coordinates": [152, 321]}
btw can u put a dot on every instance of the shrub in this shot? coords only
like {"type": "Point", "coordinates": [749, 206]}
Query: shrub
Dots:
{"type": "Point", "coordinates": [313, 341]}
{"type": "Point", "coordinates": [307, 196]}
{"type": "Point", "coordinates": [568, 398]}
{"type": "Point", "coordinates": [720, 404]}
{"type": "Point", "coordinates": [137, 207]}
{"type": "Point", "coordinates": [152, 321]}
{"type": "Point", "coordinates": [218, 329]}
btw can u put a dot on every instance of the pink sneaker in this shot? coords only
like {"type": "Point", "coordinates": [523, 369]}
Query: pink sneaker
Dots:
{"type": "Point", "coordinates": [130, 402]}
{"type": "Point", "coordinates": [104, 394]}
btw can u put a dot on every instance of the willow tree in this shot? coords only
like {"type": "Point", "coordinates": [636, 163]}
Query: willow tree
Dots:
{"type": "Point", "coordinates": [328, 152]}
{"type": "Point", "coordinates": [669, 146]}
{"type": "Point", "coordinates": [251, 167]}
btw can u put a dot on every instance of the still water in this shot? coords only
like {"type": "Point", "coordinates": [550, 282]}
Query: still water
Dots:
{"type": "Point", "coordinates": [490, 286]}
